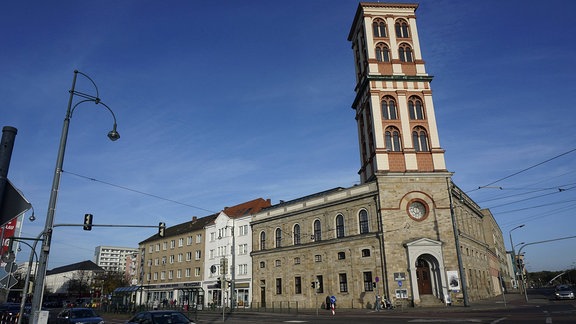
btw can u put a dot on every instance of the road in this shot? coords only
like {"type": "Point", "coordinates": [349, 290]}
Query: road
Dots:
{"type": "Point", "coordinates": [540, 308]}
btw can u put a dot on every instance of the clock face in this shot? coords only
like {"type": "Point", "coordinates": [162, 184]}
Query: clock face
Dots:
{"type": "Point", "coordinates": [417, 210]}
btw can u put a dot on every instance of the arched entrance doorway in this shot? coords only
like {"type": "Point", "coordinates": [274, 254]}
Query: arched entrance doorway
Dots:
{"type": "Point", "coordinates": [427, 273]}
{"type": "Point", "coordinates": [423, 277]}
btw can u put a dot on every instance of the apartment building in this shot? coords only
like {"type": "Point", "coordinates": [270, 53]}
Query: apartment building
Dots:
{"type": "Point", "coordinates": [113, 258]}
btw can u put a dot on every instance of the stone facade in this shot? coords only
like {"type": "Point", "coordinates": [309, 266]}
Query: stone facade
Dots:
{"type": "Point", "coordinates": [331, 238]}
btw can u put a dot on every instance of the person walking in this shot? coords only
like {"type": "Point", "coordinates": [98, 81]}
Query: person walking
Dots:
{"type": "Point", "coordinates": [378, 303]}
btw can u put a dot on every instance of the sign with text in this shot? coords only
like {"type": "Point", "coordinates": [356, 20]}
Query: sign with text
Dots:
{"type": "Point", "coordinates": [8, 231]}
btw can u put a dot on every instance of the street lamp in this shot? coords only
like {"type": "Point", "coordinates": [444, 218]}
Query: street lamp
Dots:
{"type": "Point", "coordinates": [513, 250]}
{"type": "Point", "coordinates": [113, 135]}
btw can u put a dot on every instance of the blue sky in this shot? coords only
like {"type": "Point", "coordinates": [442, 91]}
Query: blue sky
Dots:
{"type": "Point", "coordinates": [222, 102]}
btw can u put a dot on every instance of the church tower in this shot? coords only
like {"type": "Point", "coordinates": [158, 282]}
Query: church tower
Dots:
{"type": "Point", "coordinates": [397, 129]}
{"type": "Point", "coordinates": [400, 152]}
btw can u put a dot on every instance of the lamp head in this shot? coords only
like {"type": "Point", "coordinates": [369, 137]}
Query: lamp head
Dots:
{"type": "Point", "coordinates": [113, 134]}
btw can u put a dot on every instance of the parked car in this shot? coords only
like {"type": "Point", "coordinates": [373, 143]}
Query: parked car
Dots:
{"type": "Point", "coordinates": [160, 317]}
{"type": "Point", "coordinates": [564, 292]}
{"type": "Point", "coordinates": [78, 315]}
{"type": "Point", "coordinates": [9, 311]}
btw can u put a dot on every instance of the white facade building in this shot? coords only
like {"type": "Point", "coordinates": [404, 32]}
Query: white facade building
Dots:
{"type": "Point", "coordinates": [229, 239]}
{"type": "Point", "coordinates": [113, 258]}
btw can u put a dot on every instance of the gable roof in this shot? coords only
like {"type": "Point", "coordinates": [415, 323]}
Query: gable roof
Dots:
{"type": "Point", "coordinates": [84, 265]}
{"type": "Point", "coordinates": [247, 208]}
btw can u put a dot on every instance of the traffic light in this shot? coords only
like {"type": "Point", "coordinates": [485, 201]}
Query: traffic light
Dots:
{"type": "Point", "coordinates": [161, 229]}
{"type": "Point", "coordinates": [218, 284]}
{"type": "Point", "coordinates": [519, 265]}
{"type": "Point", "coordinates": [313, 284]}
{"type": "Point", "coordinates": [373, 284]}
{"type": "Point", "coordinates": [88, 222]}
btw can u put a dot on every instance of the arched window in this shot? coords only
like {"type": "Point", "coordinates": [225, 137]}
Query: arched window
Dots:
{"type": "Point", "coordinates": [389, 108]}
{"type": "Point", "coordinates": [339, 226]}
{"type": "Point", "coordinates": [363, 221]}
{"type": "Point", "coordinates": [405, 53]}
{"type": "Point", "coordinates": [401, 27]}
{"type": "Point", "coordinates": [392, 138]}
{"type": "Point", "coordinates": [317, 231]}
{"type": "Point", "coordinates": [262, 240]}
{"type": "Point", "coordinates": [415, 108]}
{"type": "Point", "coordinates": [420, 139]}
{"type": "Point", "coordinates": [379, 28]}
{"type": "Point", "coordinates": [296, 234]}
{"type": "Point", "coordinates": [278, 236]}
{"type": "Point", "coordinates": [382, 52]}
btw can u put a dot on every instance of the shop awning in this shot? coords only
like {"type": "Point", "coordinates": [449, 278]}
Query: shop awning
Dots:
{"type": "Point", "coordinates": [126, 289]}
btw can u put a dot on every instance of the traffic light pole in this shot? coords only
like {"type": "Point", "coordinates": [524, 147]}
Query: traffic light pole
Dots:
{"type": "Point", "coordinates": [159, 227]}
{"type": "Point", "coordinates": [38, 298]}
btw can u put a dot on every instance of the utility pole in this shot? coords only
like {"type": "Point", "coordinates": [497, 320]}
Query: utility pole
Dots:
{"type": "Point", "coordinates": [457, 243]}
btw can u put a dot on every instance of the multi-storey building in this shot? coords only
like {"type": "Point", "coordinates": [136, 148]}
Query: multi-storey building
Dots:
{"type": "Point", "coordinates": [228, 261]}
{"type": "Point", "coordinates": [394, 234]}
{"type": "Point", "coordinates": [183, 266]}
{"type": "Point", "coordinates": [113, 258]}
{"type": "Point", "coordinates": [171, 267]}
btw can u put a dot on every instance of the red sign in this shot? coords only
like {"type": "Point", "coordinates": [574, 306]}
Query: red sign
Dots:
{"type": "Point", "coordinates": [8, 231]}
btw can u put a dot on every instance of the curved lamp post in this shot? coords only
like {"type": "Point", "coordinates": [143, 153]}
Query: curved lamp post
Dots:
{"type": "Point", "coordinates": [27, 280]}
{"type": "Point", "coordinates": [513, 251]}
{"type": "Point", "coordinates": [113, 135]}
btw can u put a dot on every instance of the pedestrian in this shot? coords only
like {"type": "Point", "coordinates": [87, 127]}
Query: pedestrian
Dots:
{"type": "Point", "coordinates": [328, 306]}
{"type": "Point", "coordinates": [378, 303]}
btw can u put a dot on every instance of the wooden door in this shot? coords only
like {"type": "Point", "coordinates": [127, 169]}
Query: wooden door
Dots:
{"type": "Point", "coordinates": [423, 277]}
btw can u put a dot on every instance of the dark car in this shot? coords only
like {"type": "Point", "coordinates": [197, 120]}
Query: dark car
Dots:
{"type": "Point", "coordinates": [160, 317]}
{"type": "Point", "coordinates": [9, 311]}
{"type": "Point", "coordinates": [78, 315]}
{"type": "Point", "coordinates": [564, 292]}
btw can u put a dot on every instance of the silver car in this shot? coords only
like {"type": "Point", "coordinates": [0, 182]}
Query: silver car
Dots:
{"type": "Point", "coordinates": [564, 292]}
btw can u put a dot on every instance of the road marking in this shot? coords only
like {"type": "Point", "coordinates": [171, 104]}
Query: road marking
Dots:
{"type": "Point", "coordinates": [294, 321]}
{"type": "Point", "coordinates": [446, 320]}
{"type": "Point", "coordinates": [548, 318]}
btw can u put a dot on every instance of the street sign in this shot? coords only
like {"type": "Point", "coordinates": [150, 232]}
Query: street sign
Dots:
{"type": "Point", "coordinates": [377, 279]}
{"type": "Point", "coordinates": [8, 281]}
{"type": "Point", "coordinates": [13, 204]}
{"type": "Point", "coordinates": [399, 283]}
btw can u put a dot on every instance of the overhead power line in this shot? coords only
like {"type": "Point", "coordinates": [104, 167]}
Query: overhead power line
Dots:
{"type": "Point", "coordinates": [528, 168]}
{"type": "Point", "coordinates": [138, 191]}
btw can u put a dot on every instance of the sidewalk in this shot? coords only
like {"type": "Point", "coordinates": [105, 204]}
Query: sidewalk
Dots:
{"type": "Point", "coordinates": [509, 301]}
